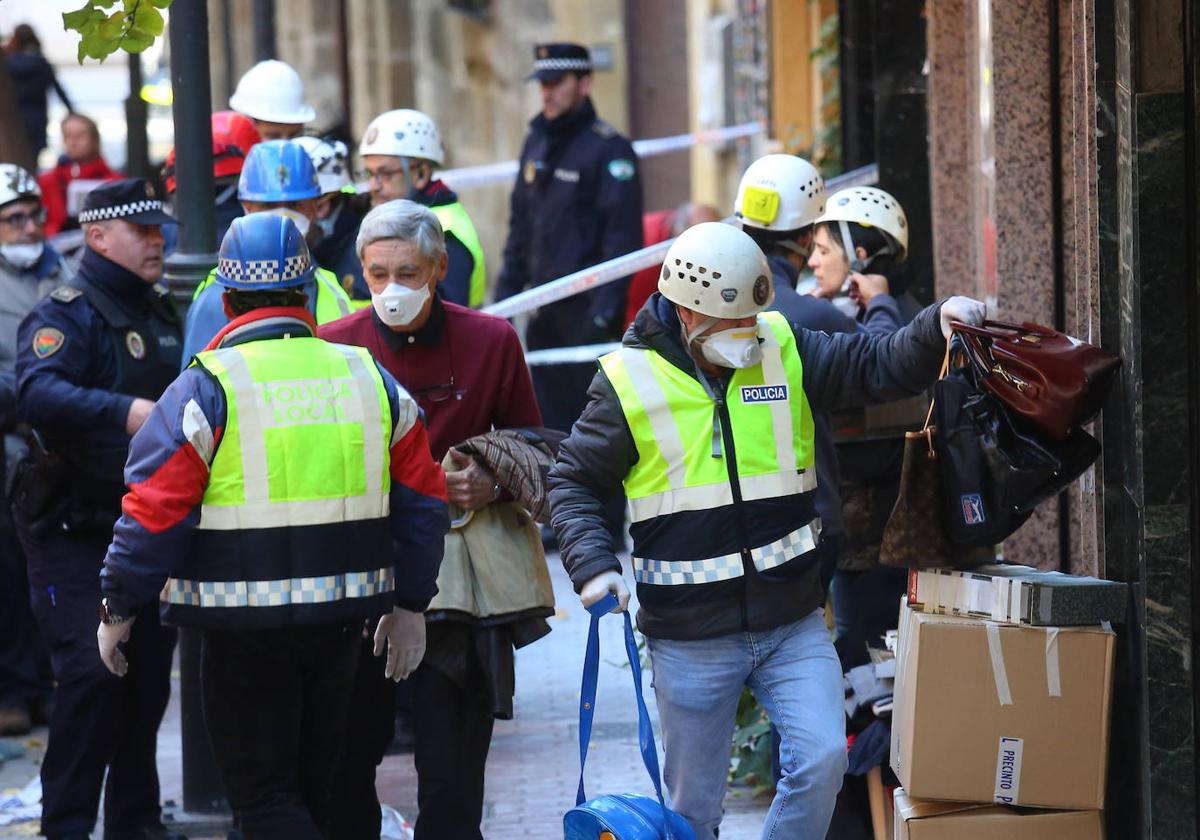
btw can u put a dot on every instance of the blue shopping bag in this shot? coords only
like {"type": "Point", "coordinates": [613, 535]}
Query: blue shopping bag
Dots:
{"type": "Point", "coordinates": [619, 816]}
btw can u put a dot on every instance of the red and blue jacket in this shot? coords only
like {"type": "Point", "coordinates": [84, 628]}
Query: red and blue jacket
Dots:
{"type": "Point", "coordinates": [168, 471]}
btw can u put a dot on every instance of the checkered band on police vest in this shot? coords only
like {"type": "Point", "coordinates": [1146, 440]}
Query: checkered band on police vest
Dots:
{"type": "Point", "coordinates": [100, 214]}
{"type": "Point", "coordinates": [264, 272]}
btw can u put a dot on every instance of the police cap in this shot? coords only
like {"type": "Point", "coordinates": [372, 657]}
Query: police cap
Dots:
{"type": "Point", "coordinates": [129, 199]}
{"type": "Point", "coordinates": [551, 61]}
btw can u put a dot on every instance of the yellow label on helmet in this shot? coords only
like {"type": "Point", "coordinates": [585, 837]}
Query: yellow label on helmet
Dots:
{"type": "Point", "coordinates": [760, 204]}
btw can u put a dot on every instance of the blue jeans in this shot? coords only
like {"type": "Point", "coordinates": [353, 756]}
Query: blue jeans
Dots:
{"type": "Point", "coordinates": [794, 673]}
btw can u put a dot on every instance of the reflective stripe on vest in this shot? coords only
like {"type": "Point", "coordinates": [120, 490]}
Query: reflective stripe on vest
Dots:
{"type": "Point", "coordinates": [298, 451]}
{"type": "Point", "coordinates": [727, 566]}
{"type": "Point", "coordinates": [278, 593]}
{"type": "Point", "coordinates": [332, 300]}
{"type": "Point", "coordinates": [670, 417]}
{"type": "Point", "coordinates": [455, 220]}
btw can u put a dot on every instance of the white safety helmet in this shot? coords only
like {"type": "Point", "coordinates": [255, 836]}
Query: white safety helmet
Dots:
{"type": "Point", "coordinates": [717, 270]}
{"type": "Point", "coordinates": [331, 159]}
{"type": "Point", "coordinates": [403, 133]}
{"type": "Point", "coordinates": [780, 193]}
{"type": "Point", "coordinates": [869, 207]}
{"type": "Point", "coordinates": [16, 183]}
{"type": "Point", "coordinates": [271, 91]}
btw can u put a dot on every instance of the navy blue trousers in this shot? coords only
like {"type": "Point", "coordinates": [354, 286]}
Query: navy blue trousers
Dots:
{"type": "Point", "coordinates": [100, 721]}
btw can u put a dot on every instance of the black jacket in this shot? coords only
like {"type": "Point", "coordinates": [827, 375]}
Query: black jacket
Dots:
{"type": "Point", "coordinates": [577, 201]}
{"type": "Point", "coordinates": [839, 370]}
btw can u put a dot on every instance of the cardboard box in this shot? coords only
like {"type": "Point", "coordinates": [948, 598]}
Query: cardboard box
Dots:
{"type": "Point", "coordinates": [922, 819]}
{"type": "Point", "coordinates": [988, 712]}
{"type": "Point", "coordinates": [1018, 595]}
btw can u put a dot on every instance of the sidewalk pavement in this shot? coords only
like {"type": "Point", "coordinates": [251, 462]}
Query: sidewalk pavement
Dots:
{"type": "Point", "coordinates": [533, 766]}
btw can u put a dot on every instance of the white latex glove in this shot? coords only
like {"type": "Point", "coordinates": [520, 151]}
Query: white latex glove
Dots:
{"type": "Point", "coordinates": [108, 636]}
{"type": "Point", "coordinates": [965, 309]}
{"type": "Point", "coordinates": [404, 633]}
{"type": "Point", "coordinates": [601, 585]}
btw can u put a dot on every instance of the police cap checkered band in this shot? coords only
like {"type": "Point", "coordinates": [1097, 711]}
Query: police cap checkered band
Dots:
{"type": "Point", "coordinates": [262, 272]}
{"type": "Point", "coordinates": [120, 211]}
{"type": "Point", "coordinates": [562, 65]}
{"type": "Point", "coordinates": [132, 199]}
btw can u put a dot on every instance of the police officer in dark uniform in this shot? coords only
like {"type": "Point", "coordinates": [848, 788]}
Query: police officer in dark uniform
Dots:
{"type": "Point", "coordinates": [91, 360]}
{"type": "Point", "coordinates": [577, 202]}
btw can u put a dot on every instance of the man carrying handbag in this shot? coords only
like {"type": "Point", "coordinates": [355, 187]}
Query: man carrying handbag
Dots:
{"type": "Point", "coordinates": [705, 416]}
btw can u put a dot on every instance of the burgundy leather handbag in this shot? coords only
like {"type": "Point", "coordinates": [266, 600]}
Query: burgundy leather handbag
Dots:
{"type": "Point", "coordinates": [1046, 378]}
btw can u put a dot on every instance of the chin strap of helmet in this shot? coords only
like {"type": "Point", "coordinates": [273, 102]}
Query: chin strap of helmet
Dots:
{"type": "Point", "coordinates": [688, 338]}
{"type": "Point", "coordinates": [860, 266]}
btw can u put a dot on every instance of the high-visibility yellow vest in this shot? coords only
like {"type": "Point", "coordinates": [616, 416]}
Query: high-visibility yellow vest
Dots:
{"type": "Point", "coordinates": [671, 416]}
{"type": "Point", "coordinates": [332, 300]}
{"type": "Point", "coordinates": [455, 220]}
{"type": "Point", "coordinates": [296, 508]}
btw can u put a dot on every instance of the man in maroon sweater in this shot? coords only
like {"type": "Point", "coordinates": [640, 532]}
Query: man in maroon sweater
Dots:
{"type": "Point", "coordinates": [467, 372]}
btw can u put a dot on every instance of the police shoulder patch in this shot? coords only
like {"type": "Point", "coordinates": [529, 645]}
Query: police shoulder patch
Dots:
{"type": "Point", "coordinates": [66, 294]}
{"type": "Point", "coordinates": [47, 341]}
{"type": "Point", "coordinates": [621, 169]}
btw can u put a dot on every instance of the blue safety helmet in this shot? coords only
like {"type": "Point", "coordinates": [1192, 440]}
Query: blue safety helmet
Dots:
{"type": "Point", "coordinates": [278, 170]}
{"type": "Point", "coordinates": [263, 252]}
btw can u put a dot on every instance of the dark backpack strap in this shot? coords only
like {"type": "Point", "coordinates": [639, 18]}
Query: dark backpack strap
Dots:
{"type": "Point", "coordinates": [587, 700]}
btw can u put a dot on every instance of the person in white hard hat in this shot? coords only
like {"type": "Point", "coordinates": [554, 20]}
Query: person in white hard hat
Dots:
{"type": "Point", "coordinates": [340, 211]}
{"type": "Point", "coordinates": [400, 152]}
{"type": "Point", "coordinates": [859, 261]}
{"type": "Point", "coordinates": [778, 199]}
{"type": "Point", "coordinates": [29, 270]}
{"type": "Point", "coordinates": [860, 246]}
{"type": "Point", "coordinates": [704, 415]}
{"type": "Point", "coordinates": [271, 94]}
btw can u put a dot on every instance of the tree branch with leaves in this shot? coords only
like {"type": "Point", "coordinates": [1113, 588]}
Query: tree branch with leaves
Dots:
{"type": "Point", "coordinates": [103, 30]}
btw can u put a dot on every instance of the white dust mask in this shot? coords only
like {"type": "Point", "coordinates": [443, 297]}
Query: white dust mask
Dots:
{"type": "Point", "coordinates": [736, 347]}
{"type": "Point", "coordinates": [24, 255]}
{"type": "Point", "coordinates": [398, 305]}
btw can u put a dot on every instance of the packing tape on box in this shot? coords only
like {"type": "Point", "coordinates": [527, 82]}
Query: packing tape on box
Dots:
{"type": "Point", "coordinates": [999, 674]}
{"type": "Point", "coordinates": [1053, 676]}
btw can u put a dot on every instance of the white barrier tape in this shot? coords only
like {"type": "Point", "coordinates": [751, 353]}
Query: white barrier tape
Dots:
{"type": "Point", "coordinates": [580, 281]}
{"type": "Point", "coordinates": [570, 355]}
{"type": "Point", "coordinates": [470, 177]}
{"type": "Point", "coordinates": [623, 266]}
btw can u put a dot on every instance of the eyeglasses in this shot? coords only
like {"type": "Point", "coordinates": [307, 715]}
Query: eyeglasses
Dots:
{"type": "Point", "coordinates": [439, 393]}
{"type": "Point", "coordinates": [380, 175]}
{"type": "Point", "coordinates": [19, 220]}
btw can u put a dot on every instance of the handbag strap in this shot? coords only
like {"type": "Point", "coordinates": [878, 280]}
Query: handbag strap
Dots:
{"type": "Point", "coordinates": [587, 700]}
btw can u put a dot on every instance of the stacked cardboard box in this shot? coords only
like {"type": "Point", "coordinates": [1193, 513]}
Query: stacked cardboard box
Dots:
{"type": "Point", "coordinates": [993, 711]}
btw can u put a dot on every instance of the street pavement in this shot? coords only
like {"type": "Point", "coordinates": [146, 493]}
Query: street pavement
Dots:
{"type": "Point", "coordinates": [533, 767]}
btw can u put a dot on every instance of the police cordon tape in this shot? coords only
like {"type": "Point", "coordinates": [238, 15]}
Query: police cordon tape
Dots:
{"type": "Point", "coordinates": [470, 177]}
{"type": "Point", "coordinates": [618, 267]}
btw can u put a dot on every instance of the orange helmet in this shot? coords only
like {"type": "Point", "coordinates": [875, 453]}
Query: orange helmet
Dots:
{"type": "Point", "coordinates": [233, 136]}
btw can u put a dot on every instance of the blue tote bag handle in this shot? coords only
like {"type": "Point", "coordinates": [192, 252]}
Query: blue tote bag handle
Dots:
{"type": "Point", "coordinates": [587, 700]}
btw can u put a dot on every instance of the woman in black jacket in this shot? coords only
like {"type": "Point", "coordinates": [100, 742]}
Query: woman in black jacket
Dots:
{"type": "Point", "coordinates": [32, 78]}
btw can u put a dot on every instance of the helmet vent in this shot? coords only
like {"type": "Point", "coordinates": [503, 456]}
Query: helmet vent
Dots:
{"type": "Point", "coordinates": [716, 275]}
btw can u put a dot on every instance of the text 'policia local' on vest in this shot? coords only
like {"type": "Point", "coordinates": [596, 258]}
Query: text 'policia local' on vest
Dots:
{"type": "Point", "coordinates": [671, 418]}
{"type": "Point", "coordinates": [295, 515]}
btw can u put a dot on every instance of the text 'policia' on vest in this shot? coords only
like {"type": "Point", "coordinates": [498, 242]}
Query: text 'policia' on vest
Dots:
{"type": "Point", "coordinates": [768, 453]}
